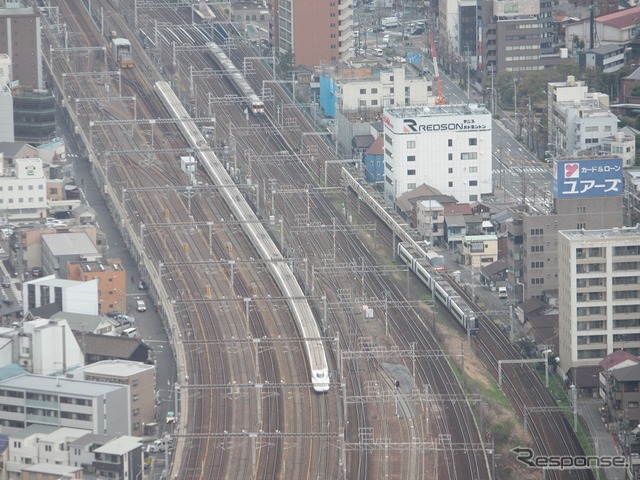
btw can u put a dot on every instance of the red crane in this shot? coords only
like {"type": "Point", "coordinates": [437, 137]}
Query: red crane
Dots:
{"type": "Point", "coordinates": [440, 100]}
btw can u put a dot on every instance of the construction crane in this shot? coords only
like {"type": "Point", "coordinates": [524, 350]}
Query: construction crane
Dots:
{"type": "Point", "coordinates": [440, 100]}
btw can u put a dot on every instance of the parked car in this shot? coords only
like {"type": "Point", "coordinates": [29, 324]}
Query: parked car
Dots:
{"type": "Point", "coordinates": [160, 445]}
{"type": "Point", "coordinates": [171, 417]}
{"type": "Point", "coordinates": [6, 281]}
{"type": "Point", "coordinates": [142, 285]}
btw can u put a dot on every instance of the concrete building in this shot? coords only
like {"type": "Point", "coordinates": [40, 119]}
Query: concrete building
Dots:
{"type": "Point", "coordinates": [41, 445]}
{"type": "Point", "coordinates": [112, 282]}
{"type": "Point", "coordinates": [119, 458]}
{"type": "Point", "coordinates": [479, 250]}
{"type": "Point", "coordinates": [371, 88]}
{"type": "Point", "coordinates": [141, 380]}
{"type": "Point", "coordinates": [315, 32]}
{"type": "Point", "coordinates": [519, 36]}
{"type": "Point", "coordinates": [446, 147]}
{"type": "Point", "coordinates": [23, 190]}
{"type": "Point", "coordinates": [70, 295]}
{"type": "Point", "coordinates": [98, 324]}
{"type": "Point", "coordinates": [81, 450]}
{"type": "Point", "coordinates": [605, 58]}
{"type": "Point", "coordinates": [61, 248]}
{"type": "Point", "coordinates": [578, 120]}
{"type": "Point", "coordinates": [21, 27]}
{"type": "Point", "coordinates": [45, 347]}
{"type": "Point", "coordinates": [617, 28]}
{"type": "Point", "coordinates": [35, 399]}
{"type": "Point", "coordinates": [532, 234]}
{"type": "Point", "coordinates": [632, 196]}
{"type": "Point", "coordinates": [430, 220]}
{"type": "Point", "coordinates": [598, 276]}
{"type": "Point", "coordinates": [620, 145]}
{"type": "Point", "coordinates": [6, 114]}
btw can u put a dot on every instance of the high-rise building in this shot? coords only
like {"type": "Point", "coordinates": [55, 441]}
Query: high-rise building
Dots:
{"type": "Point", "coordinates": [446, 147]}
{"type": "Point", "coordinates": [599, 297]}
{"type": "Point", "coordinates": [316, 32]}
{"type": "Point", "coordinates": [20, 39]}
{"type": "Point", "coordinates": [518, 35]}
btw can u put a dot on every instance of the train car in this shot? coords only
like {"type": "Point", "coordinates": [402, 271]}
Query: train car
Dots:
{"type": "Point", "coordinates": [121, 52]}
{"type": "Point", "coordinates": [255, 231]}
{"type": "Point", "coordinates": [250, 100]}
{"type": "Point", "coordinates": [441, 289]}
{"type": "Point", "coordinates": [435, 260]}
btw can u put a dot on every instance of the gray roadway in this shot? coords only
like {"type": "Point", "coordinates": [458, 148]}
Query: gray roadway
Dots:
{"type": "Point", "coordinates": [148, 323]}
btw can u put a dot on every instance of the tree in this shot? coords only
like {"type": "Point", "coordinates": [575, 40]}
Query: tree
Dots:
{"type": "Point", "coordinates": [286, 65]}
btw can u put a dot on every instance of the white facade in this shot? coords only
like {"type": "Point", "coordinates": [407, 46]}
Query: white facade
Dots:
{"type": "Point", "coordinates": [23, 192]}
{"type": "Point", "coordinates": [585, 126]}
{"type": "Point", "coordinates": [390, 88]}
{"type": "Point", "coordinates": [446, 147]}
{"type": "Point", "coordinates": [40, 444]}
{"type": "Point", "coordinates": [35, 399]}
{"type": "Point", "coordinates": [6, 114]}
{"type": "Point", "coordinates": [47, 347]}
{"type": "Point", "coordinates": [598, 278]}
{"type": "Point", "coordinates": [5, 69]}
{"type": "Point", "coordinates": [620, 145]}
{"type": "Point", "coordinates": [72, 296]}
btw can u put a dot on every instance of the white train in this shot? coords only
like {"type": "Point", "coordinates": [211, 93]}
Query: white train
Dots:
{"type": "Point", "coordinates": [256, 232]}
{"type": "Point", "coordinates": [440, 287]}
{"type": "Point", "coordinates": [251, 100]}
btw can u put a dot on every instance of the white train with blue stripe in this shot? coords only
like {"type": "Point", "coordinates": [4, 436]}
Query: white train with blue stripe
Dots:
{"type": "Point", "coordinates": [440, 287]}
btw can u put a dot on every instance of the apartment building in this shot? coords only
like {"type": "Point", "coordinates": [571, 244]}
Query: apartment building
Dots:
{"type": "Point", "coordinates": [599, 298]}
{"type": "Point", "coordinates": [112, 282]}
{"type": "Point", "coordinates": [69, 295]}
{"type": "Point", "coordinates": [315, 32]}
{"type": "Point", "coordinates": [20, 39]}
{"type": "Point", "coordinates": [518, 35]}
{"type": "Point", "coordinates": [141, 379]}
{"type": "Point", "coordinates": [23, 190]}
{"type": "Point", "coordinates": [371, 88]}
{"type": "Point", "coordinates": [37, 399]}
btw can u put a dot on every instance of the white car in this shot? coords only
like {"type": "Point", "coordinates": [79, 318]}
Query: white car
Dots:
{"type": "Point", "coordinates": [141, 306]}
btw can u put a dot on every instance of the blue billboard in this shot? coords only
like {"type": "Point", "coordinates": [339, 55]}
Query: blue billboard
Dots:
{"type": "Point", "coordinates": [593, 177]}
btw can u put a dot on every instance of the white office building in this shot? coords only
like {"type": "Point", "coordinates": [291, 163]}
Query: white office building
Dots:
{"type": "Point", "coordinates": [446, 147]}
{"type": "Point", "coordinates": [23, 193]}
{"type": "Point", "coordinates": [101, 408]}
{"type": "Point", "coordinates": [71, 296]}
{"type": "Point", "coordinates": [599, 298]}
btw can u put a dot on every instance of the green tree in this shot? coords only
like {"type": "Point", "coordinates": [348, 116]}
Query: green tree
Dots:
{"type": "Point", "coordinates": [286, 65]}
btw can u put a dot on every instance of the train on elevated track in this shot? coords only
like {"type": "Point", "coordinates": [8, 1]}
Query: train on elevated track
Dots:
{"type": "Point", "coordinates": [441, 288]}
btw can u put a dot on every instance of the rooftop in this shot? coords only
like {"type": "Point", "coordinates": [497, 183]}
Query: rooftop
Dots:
{"type": "Point", "coordinates": [70, 244]}
{"type": "Point", "coordinates": [116, 368]}
{"type": "Point", "coordinates": [42, 383]}
{"type": "Point", "coordinates": [90, 439]}
{"type": "Point", "coordinates": [612, 233]}
{"type": "Point", "coordinates": [438, 111]}
{"type": "Point", "coordinates": [120, 445]}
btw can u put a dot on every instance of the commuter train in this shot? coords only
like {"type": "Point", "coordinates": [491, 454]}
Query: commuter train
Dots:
{"type": "Point", "coordinates": [251, 100]}
{"type": "Point", "coordinates": [440, 287]}
{"type": "Point", "coordinates": [281, 272]}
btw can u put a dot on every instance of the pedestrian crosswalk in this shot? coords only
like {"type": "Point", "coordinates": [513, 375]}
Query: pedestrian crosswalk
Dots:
{"type": "Point", "coordinates": [519, 170]}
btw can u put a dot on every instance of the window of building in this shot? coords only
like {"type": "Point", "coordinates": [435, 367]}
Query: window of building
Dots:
{"type": "Point", "coordinates": [469, 156]}
{"type": "Point", "coordinates": [135, 397]}
{"type": "Point", "coordinates": [537, 264]}
{"type": "Point", "coordinates": [537, 248]}
{"type": "Point", "coordinates": [450, 142]}
{"type": "Point", "coordinates": [473, 183]}
{"type": "Point", "coordinates": [374, 103]}
{"type": "Point", "coordinates": [450, 170]}
{"type": "Point", "coordinates": [581, 225]}
{"type": "Point", "coordinates": [411, 158]}
{"type": "Point", "coordinates": [537, 281]}
{"type": "Point", "coordinates": [473, 169]}
{"type": "Point", "coordinates": [411, 144]}
{"type": "Point", "coordinates": [474, 198]}
{"type": "Point", "coordinates": [374, 91]}
{"type": "Point", "coordinates": [47, 448]}
{"type": "Point", "coordinates": [450, 184]}
{"type": "Point", "coordinates": [581, 209]}
{"type": "Point", "coordinates": [411, 186]}
{"type": "Point", "coordinates": [473, 141]}
{"type": "Point", "coordinates": [411, 172]}
{"type": "Point", "coordinates": [363, 91]}
{"type": "Point", "coordinates": [537, 231]}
